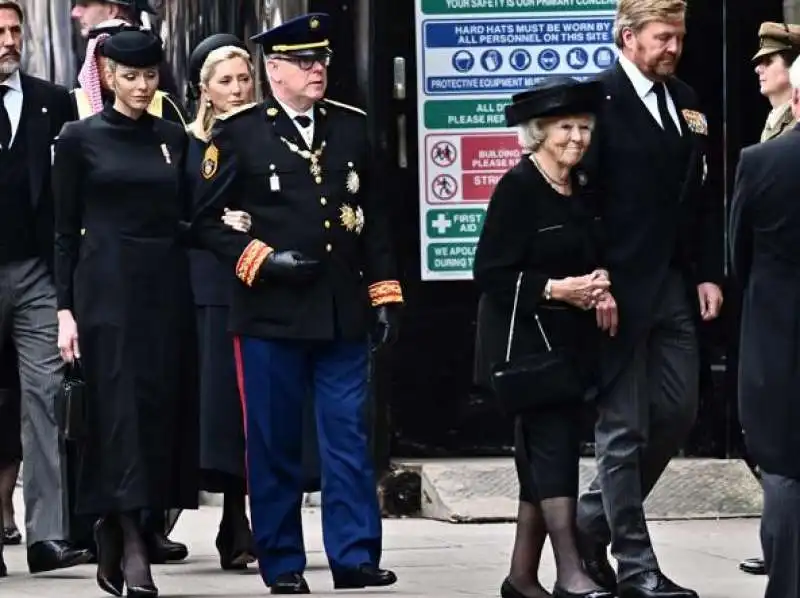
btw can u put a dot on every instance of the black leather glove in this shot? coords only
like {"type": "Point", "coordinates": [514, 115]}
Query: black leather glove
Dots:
{"type": "Point", "coordinates": [289, 265]}
{"type": "Point", "coordinates": [386, 326]}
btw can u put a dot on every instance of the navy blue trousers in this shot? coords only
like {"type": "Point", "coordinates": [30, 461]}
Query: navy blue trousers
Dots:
{"type": "Point", "coordinates": [275, 377]}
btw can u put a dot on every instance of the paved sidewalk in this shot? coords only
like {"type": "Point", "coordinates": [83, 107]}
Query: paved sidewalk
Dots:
{"type": "Point", "coordinates": [432, 560]}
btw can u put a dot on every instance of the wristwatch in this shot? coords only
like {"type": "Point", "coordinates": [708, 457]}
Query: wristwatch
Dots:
{"type": "Point", "coordinates": [548, 289]}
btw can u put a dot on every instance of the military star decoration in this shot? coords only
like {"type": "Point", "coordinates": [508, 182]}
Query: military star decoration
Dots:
{"type": "Point", "coordinates": [352, 219]}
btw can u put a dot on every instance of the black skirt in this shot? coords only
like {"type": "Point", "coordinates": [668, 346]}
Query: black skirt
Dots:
{"type": "Point", "coordinates": [222, 459]}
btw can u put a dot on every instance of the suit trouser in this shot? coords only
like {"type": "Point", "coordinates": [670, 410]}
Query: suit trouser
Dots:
{"type": "Point", "coordinates": [643, 420]}
{"type": "Point", "coordinates": [275, 378]}
{"type": "Point", "coordinates": [780, 535]}
{"type": "Point", "coordinates": [28, 313]}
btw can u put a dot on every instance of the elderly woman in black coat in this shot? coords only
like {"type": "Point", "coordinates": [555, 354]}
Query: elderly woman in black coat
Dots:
{"type": "Point", "coordinates": [543, 225]}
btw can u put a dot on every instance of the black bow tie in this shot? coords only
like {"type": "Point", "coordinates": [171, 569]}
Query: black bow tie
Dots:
{"type": "Point", "coordinates": [303, 120]}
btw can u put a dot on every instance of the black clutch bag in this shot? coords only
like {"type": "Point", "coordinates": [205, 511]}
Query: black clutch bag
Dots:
{"type": "Point", "coordinates": [538, 380]}
{"type": "Point", "coordinates": [72, 404]}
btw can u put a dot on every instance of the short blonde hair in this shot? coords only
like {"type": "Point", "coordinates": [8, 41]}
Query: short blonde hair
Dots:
{"type": "Point", "coordinates": [635, 14]}
{"type": "Point", "coordinates": [201, 126]}
{"type": "Point", "coordinates": [532, 134]}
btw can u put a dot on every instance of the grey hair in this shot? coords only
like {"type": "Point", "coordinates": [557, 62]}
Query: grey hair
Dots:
{"type": "Point", "coordinates": [532, 134]}
{"type": "Point", "coordinates": [794, 74]}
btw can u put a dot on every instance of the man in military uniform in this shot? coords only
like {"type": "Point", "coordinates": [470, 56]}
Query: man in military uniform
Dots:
{"type": "Point", "coordinates": [90, 13]}
{"type": "Point", "coordinates": [316, 276]}
{"type": "Point", "coordinates": [93, 91]}
{"type": "Point", "coordinates": [779, 46]}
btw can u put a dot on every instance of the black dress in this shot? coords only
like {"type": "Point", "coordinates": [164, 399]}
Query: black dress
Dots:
{"type": "Point", "coordinates": [126, 281]}
{"type": "Point", "coordinates": [531, 228]}
{"type": "Point", "coordinates": [222, 458]}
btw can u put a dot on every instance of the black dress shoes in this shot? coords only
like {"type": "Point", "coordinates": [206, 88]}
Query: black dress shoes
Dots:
{"type": "Point", "coordinates": [290, 583]}
{"type": "Point", "coordinates": [51, 555]}
{"type": "Point", "coordinates": [365, 576]}
{"type": "Point", "coordinates": [653, 584]}
{"type": "Point", "coordinates": [595, 562]}
{"type": "Point", "coordinates": [161, 549]}
{"type": "Point", "coordinates": [12, 536]}
{"type": "Point", "coordinates": [559, 592]}
{"type": "Point", "coordinates": [753, 566]}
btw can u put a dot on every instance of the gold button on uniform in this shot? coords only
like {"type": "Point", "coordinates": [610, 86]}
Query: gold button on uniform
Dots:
{"type": "Point", "coordinates": [323, 201]}
{"type": "Point", "coordinates": [327, 224]}
{"type": "Point", "coordinates": [329, 248]}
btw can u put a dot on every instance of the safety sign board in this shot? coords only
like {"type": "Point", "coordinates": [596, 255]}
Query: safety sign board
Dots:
{"type": "Point", "coordinates": [472, 56]}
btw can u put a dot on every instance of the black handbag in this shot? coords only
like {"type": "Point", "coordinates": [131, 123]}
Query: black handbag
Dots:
{"type": "Point", "coordinates": [539, 380]}
{"type": "Point", "coordinates": [72, 409]}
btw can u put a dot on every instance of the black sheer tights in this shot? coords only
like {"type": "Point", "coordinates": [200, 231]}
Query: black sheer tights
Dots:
{"type": "Point", "coordinates": [135, 562]}
{"type": "Point", "coordinates": [553, 517]}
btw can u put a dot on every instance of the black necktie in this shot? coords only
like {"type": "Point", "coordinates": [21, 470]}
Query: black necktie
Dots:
{"type": "Point", "coordinates": [5, 122]}
{"type": "Point", "coordinates": [666, 118]}
{"type": "Point", "coordinates": [303, 120]}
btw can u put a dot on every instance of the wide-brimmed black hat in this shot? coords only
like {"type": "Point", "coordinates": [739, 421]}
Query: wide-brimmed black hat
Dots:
{"type": "Point", "coordinates": [137, 49]}
{"type": "Point", "coordinates": [204, 48]}
{"type": "Point", "coordinates": [554, 96]}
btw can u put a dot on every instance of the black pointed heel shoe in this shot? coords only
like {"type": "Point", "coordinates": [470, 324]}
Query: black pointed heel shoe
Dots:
{"type": "Point", "coordinates": [507, 590]}
{"type": "Point", "coordinates": [108, 539]}
{"type": "Point", "coordinates": [562, 593]}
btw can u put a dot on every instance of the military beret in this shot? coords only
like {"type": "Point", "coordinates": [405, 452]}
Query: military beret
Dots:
{"type": "Point", "coordinates": [777, 37]}
{"type": "Point", "coordinates": [136, 49]}
{"type": "Point", "coordinates": [306, 35]}
{"type": "Point", "coordinates": [205, 47]}
{"type": "Point", "coordinates": [111, 27]}
{"type": "Point", "coordinates": [15, 6]}
{"type": "Point", "coordinates": [137, 6]}
{"type": "Point", "coordinates": [554, 96]}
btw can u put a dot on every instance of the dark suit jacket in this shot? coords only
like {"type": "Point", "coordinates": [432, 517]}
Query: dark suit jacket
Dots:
{"type": "Point", "coordinates": [46, 107]}
{"type": "Point", "coordinates": [651, 221]}
{"type": "Point", "coordinates": [764, 241]}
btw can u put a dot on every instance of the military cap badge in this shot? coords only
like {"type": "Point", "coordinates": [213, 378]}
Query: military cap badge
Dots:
{"type": "Point", "coordinates": [313, 23]}
{"type": "Point", "coordinates": [210, 162]}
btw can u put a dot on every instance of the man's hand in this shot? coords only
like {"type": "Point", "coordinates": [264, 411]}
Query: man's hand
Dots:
{"type": "Point", "coordinates": [386, 324]}
{"type": "Point", "coordinates": [290, 265]}
{"type": "Point", "coordinates": [607, 314]}
{"type": "Point", "coordinates": [710, 297]}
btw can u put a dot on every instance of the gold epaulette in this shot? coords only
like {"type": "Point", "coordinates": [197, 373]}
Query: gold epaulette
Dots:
{"type": "Point", "coordinates": [236, 111]}
{"type": "Point", "coordinates": [345, 106]}
{"type": "Point", "coordinates": [385, 291]}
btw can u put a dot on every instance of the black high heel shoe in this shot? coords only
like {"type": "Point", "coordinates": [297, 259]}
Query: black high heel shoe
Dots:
{"type": "Point", "coordinates": [507, 590]}
{"type": "Point", "coordinates": [108, 539]}
{"type": "Point", "coordinates": [562, 593]}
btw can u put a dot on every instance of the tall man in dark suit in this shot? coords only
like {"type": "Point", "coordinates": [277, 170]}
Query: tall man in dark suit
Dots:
{"type": "Point", "coordinates": [32, 113]}
{"type": "Point", "coordinates": [665, 262]}
{"type": "Point", "coordinates": [316, 276]}
{"type": "Point", "coordinates": [764, 236]}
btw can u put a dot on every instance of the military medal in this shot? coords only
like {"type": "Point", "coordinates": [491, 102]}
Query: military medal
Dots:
{"type": "Point", "coordinates": [313, 157]}
{"type": "Point", "coordinates": [165, 151]}
{"type": "Point", "coordinates": [353, 182]}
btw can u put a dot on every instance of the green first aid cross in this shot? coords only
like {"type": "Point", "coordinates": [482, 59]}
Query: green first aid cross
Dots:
{"type": "Point", "coordinates": [452, 224]}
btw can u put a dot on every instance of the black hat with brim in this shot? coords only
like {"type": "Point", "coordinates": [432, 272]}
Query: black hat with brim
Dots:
{"type": "Point", "coordinates": [136, 49]}
{"type": "Point", "coordinates": [111, 27]}
{"type": "Point", "coordinates": [205, 47]}
{"type": "Point", "coordinates": [554, 96]}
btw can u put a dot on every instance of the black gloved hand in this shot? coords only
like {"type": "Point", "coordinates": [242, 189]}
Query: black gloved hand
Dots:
{"type": "Point", "coordinates": [386, 326]}
{"type": "Point", "coordinates": [290, 265]}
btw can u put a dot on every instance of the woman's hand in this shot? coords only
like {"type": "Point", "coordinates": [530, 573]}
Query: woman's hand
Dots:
{"type": "Point", "coordinates": [607, 313]}
{"type": "Point", "coordinates": [238, 221]}
{"type": "Point", "coordinates": [68, 336]}
{"type": "Point", "coordinates": [580, 291]}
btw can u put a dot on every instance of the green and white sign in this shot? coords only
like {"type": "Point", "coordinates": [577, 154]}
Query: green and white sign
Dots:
{"type": "Point", "coordinates": [472, 56]}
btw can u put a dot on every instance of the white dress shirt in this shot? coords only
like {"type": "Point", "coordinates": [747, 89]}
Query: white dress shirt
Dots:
{"type": "Point", "coordinates": [308, 132]}
{"type": "Point", "coordinates": [13, 102]}
{"type": "Point", "coordinates": [644, 89]}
